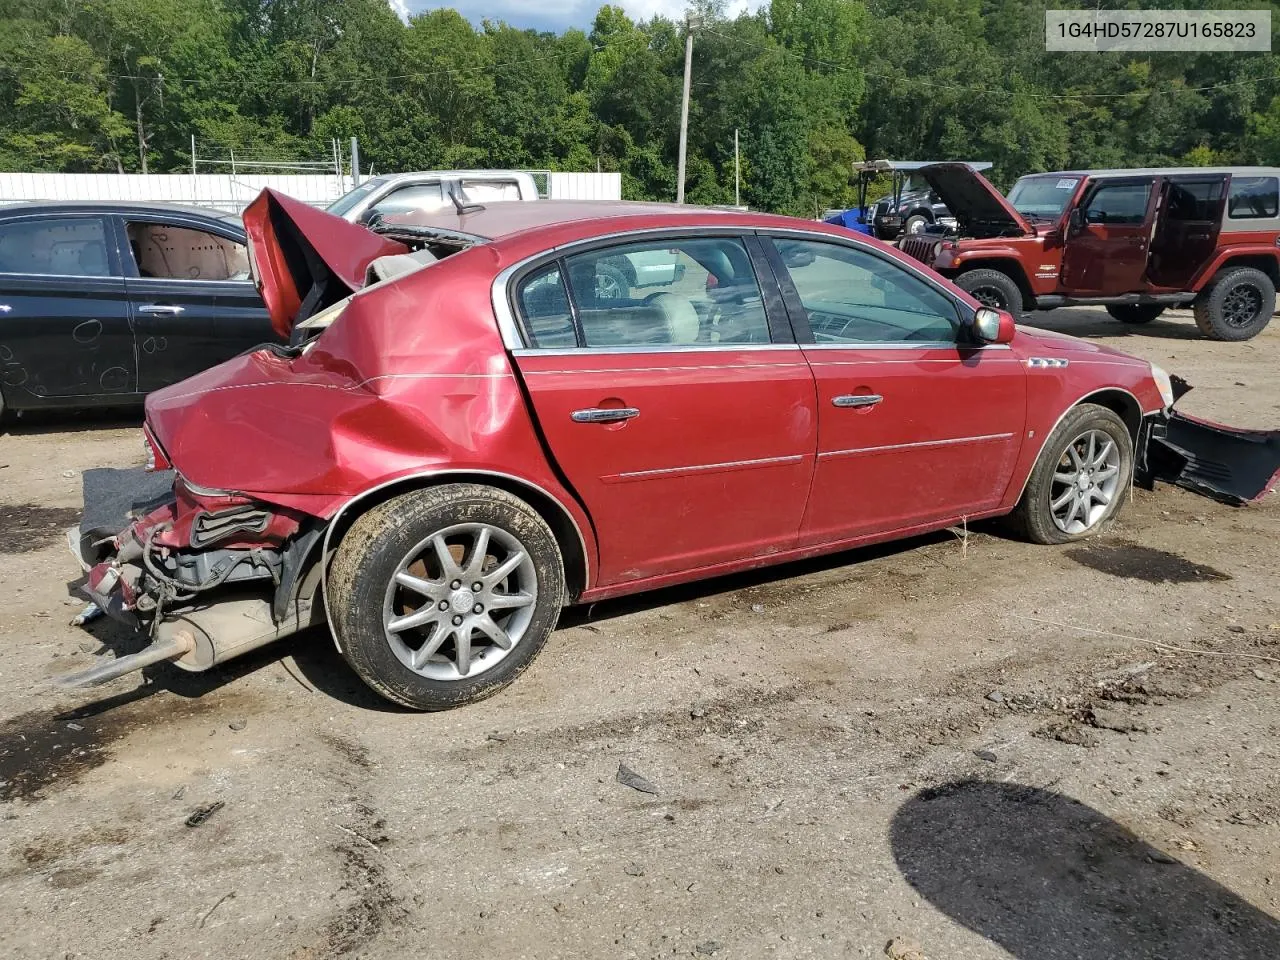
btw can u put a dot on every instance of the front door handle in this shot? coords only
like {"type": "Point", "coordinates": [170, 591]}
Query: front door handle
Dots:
{"type": "Point", "coordinates": [857, 400]}
{"type": "Point", "coordinates": [604, 414]}
{"type": "Point", "coordinates": [160, 309]}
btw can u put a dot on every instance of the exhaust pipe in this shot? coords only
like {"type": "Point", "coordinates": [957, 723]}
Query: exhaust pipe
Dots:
{"type": "Point", "coordinates": [179, 645]}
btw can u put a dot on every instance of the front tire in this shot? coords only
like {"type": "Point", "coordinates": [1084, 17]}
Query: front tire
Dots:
{"type": "Point", "coordinates": [1135, 312]}
{"type": "Point", "coordinates": [992, 288]}
{"type": "Point", "coordinates": [915, 224]}
{"type": "Point", "coordinates": [441, 597]}
{"type": "Point", "coordinates": [1236, 305]}
{"type": "Point", "coordinates": [1080, 480]}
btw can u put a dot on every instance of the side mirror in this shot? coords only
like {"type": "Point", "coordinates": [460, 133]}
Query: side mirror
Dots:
{"type": "Point", "coordinates": [1075, 221]}
{"type": "Point", "coordinates": [366, 216]}
{"type": "Point", "coordinates": [993, 326]}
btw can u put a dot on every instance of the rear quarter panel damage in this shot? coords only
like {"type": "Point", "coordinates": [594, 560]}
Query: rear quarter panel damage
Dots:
{"type": "Point", "coordinates": [410, 381]}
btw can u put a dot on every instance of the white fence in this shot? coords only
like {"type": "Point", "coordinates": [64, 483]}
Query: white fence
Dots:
{"type": "Point", "coordinates": [233, 192]}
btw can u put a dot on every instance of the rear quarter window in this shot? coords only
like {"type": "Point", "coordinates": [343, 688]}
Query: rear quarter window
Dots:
{"type": "Point", "coordinates": [60, 246]}
{"type": "Point", "coordinates": [1254, 198]}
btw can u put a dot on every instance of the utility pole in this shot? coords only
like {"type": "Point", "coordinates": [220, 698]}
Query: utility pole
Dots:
{"type": "Point", "coordinates": [689, 24]}
{"type": "Point", "coordinates": [193, 153]}
{"type": "Point", "coordinates": [737, 199]}
{"type": "Point", "coordinates": [355, 161]}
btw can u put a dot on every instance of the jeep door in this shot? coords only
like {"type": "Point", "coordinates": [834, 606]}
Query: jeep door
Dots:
{"type": "Point", "coordinates": [1109, 239]}
{"type": "Point", "coordinates": [1189, 213]}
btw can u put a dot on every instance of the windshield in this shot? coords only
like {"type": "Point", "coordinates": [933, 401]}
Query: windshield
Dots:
{"type": "Point", "coordinates": [349, 199]}
{"type": "Point", "coordinates": [1042, 197]}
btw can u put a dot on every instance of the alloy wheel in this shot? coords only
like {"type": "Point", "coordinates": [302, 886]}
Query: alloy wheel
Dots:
{"type": "Point", "coordinates": [1241, 305]}
{"type": "Point", "coordinates": [460, 601]}
{"type": "Point", "coordinates": [989, 297]}
{"type": "Point", "coordinates": [1085, 482]}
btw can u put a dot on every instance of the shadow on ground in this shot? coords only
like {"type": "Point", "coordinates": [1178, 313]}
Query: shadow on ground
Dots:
{"type": "Point", "coordinates": [1048, 878]}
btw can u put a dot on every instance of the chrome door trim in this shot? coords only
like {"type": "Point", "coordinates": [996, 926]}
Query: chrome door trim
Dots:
{"type": "Point", "coordinates": [604, 414]}
{"type": "Point", "coordinates": [847, 400]}
{"type": "Point", "coordinates": [920, 444]}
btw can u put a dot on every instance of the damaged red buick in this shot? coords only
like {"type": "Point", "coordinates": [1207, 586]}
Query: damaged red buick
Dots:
{"type": "Point", "coordinates": [483, 415]}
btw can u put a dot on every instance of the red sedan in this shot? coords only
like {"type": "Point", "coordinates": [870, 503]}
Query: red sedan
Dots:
{"type": "Point", "coordinates": [490, 414]}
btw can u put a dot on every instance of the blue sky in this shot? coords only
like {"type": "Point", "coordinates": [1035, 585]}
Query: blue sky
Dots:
{"type": "Point", "coordinates": [555, 14]}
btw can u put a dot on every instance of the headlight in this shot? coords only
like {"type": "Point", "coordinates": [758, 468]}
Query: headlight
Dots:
{"type": "Point", "coordinates": [938, 248]}
{"type": "Point", "coordinates": [1163, 384]}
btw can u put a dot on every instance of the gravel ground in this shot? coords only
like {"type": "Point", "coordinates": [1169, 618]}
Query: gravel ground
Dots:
{"type": "Point", "coordinates": [945, 748]}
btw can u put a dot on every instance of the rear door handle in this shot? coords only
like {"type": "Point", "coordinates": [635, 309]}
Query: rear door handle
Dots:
{"type": "Point", "coordinates": [857, 400]}
{"type": "Point", "coordinates": [160, 309]}
{"type": "Point", "coordinates": [604, 414]}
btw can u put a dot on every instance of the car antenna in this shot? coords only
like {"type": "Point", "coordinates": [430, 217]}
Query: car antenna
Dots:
{"type": "Point", "coordinates": [460, 202]}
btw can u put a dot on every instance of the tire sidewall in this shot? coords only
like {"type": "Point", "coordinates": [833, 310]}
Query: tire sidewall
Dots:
{"type": "Point", "coordinates": [1037, 519]}
{"type": "Point", "coordinates": [1210, 315]}
{"type": "Point", "coordinates": [1008, 287]}
{"type": "Point", "coordinates": [914, 218]}
{"type": "Point", "coordinates": [358, 616]}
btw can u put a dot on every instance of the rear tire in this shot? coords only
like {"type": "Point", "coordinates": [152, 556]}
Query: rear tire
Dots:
{"type": "Point", "coordinates": [1135, 312]}
{"type": "Point", "coordinates": [1063, 499]}
{"type": "Point", "coordinates": [992, 288]}
{"type": "Point", "coordinates": [1236, 305]}
{"type": "Point", "coordinates": [417, 630]}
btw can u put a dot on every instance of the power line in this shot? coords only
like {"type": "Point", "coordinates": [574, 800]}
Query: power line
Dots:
{"type": "Point", "coordinates": [996, 90]}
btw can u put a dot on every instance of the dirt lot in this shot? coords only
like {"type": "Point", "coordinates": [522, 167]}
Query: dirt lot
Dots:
{"type": "Point", "coordinates": [979, 749]}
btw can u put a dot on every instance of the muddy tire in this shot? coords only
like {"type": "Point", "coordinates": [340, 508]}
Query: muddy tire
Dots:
{"type": "Point", "coordinates": [1135, 312]}
{"type": "Point", "coordinates": [992, 288]}
{"type": "Point", "coordinates": [441, 597]}
{"type": "Point", "coordinates": [1080, 480]}
{"type": "Point", "coordinates": [1237, 303]}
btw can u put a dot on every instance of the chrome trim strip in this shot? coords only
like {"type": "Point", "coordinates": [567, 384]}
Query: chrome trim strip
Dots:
{"type": "Point", "coordinates": [910, 446]}
{"type": "Point", "coordinates": [856, 400]}
{"type": "Point", "coordinates": [333, 521]}
{"type": "Point", "coordinates": [913, 345]}
{"type": "Point", "coordinates": [1071, 406]}
{"type": "Point", "coordinates": [652, 348]}
{"type": "Point", "coordinates": [702, 467]}
{"type": "Point", "coordinates": [692, 366]}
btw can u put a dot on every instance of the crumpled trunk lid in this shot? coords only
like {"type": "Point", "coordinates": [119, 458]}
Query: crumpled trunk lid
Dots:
{"type": "Point", "coordinates": [304, 260]}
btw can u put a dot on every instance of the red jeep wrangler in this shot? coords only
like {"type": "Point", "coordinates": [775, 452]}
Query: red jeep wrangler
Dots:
{"type": "Point", "coordinates": [1136, 241]}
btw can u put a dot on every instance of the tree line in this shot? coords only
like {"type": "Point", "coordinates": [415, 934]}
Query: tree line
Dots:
{"type": "Point", "coordinates": [811, 85]}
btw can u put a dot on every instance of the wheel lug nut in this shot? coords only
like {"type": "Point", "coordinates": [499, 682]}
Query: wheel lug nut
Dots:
{"type": "Point", "coordinates": [477, 587]}
{"type": "Point", "coordinates": [457, 621]}
{"type": "Point", "coordinates": [456, 584]}
{"type": "Point", "coordinates": [478, 608]}
{"type": "Point", "coordinates": [444, 604]}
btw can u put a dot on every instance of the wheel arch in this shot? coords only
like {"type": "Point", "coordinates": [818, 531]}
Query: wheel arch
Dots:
{"type": "Point", "coordinates": [568, 534]}
{"type": "Point", "coordinates": [1116, 399]}
{"type": "Point", "coordinates": [1260, 258]}
{"type": "Point", "coordinates": [1009, 266]}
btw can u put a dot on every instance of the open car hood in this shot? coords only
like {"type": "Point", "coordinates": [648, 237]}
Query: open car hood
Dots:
{"type": "Point", "coordinates": [303, 259]}
{"type": "Point", "coordinates": [979, 207]}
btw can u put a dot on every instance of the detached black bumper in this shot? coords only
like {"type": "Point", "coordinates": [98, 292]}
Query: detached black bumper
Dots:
{"type": "Point", "coordinates": [1228, 465]}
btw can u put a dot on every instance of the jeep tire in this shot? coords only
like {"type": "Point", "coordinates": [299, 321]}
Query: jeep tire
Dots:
{"type": "Point", "coordinates": [1135, 312]}
{"type": "Point", "coordinates": [992, 288]}
{"type": "Point", "coordinates": [1236, 304]}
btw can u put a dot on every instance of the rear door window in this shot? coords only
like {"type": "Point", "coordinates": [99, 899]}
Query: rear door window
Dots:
{"type": "Point", "coordinates": [487, 191]}
{"type": "Point", "coordinates": [58, 246]}
{"type": "Point", "coordinates": [167, 252]}
{"type": "Point", "coordinates": [1194, 200]}
{"type": "Point", "coordinates": [1254, 198]}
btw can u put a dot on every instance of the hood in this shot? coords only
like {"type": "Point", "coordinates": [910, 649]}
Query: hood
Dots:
{"type": "Point", "coordinates": [978, 206]}
{"type": "Point", "coordinates": [1036, 340]}
{"type": "Point", "coordinates": [304, 259]}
